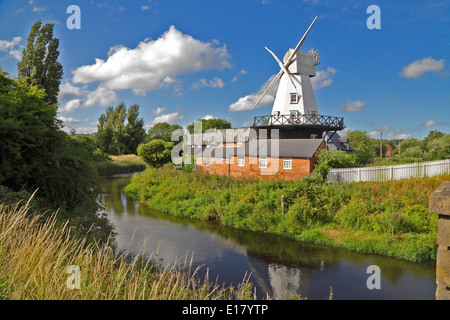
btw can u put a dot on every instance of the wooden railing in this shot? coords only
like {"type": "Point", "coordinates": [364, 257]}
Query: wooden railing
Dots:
{"type": "Point", "coordinates": [330, 122]}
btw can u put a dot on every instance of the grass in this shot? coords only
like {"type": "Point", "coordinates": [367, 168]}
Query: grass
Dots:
{"type": "Point", "coordinates": [388, 218]}
{"type": "Point", "coordinates": [120, 164]}
{"type": "Point", "coordinates": [35, 256]}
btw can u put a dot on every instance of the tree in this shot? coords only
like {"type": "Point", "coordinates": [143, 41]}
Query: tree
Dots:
{"type": "Point", "coordinates": [35, 153]}
{"type": "Point", "coordinates": [156, 152]}
{"type": "Point", "coordinates": [134, 130]}
{"type": "Point", "coordinates": [365, 148]}
{"type": "Point", "coordinates": [439, 149]}
{"type": "Point", "coordinates": [210, 124]}
{"type": "Point", "coordinates": [39, 66]}
{"type": "Point", "coordinates": [434, 134]}
{"type": "Point", "coordinates": [162, 131]}
{"type": "Point", "coordinates": [114, 136]}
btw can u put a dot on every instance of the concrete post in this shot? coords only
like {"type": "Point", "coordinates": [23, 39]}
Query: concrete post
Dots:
{"type": "Point", "coordinates": [439, 203]}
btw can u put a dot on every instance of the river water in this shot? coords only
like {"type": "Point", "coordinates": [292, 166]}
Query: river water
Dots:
{"type": "Point", "coordinates": [278, 267]}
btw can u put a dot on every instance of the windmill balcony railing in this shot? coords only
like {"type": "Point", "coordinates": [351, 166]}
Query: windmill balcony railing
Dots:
{"type": "Point", "coordinates": [301, 119]}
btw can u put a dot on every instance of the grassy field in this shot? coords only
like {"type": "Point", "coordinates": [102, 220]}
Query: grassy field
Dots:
{"type": "Point", "coordinates": [389, 218]}
{"type": "Point", "coordinates": [35, 257]}
{"type": "Point", "coordinates": [120, 164]}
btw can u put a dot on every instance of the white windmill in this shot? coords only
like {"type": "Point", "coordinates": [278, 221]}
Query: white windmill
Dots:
{"type": "Point", "coordinates": [295, 95]}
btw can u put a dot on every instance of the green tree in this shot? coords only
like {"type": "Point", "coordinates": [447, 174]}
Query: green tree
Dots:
{"type": "Point", "coordinates": [35, 153]}
{"type": "Point", "coordinates": [114, 136]}
{"type": "Point", "coordinates": [432, 135]}
{"type": "Point", "coordinates": [134, 130]}
{"type": "Point", "coordinates": [210, 124]}
{"type": "Point", "coordinates": [162, 131]}
{"type": "Point", "coordinates": [365, 148]}
{"type": "Point", "coordinates": [329, 159]}
{"type": "Point", "coordinates": [439, 149]}
{"type": "Point", "coordinates": [39, 66]}
{"type": "Point", "coordinates": [156, 152]}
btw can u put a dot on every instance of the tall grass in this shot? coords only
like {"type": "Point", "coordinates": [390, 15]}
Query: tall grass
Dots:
{"type": "Point", "coordinates": [35, 256]}
{"type": "Point", "coordinates": [120, 164]}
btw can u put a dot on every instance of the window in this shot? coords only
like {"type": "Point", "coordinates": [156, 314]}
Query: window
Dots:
{"type": "Point", "coordinates": [227, 160]}
{"type": "Point", "coordinates": [287, 163]}
{"type": "Point", "coordinates": [294, 98]}
{"type": "Point", "coordinates": [206, 162]}
{"type": "Point", "coordinates": [313, 136]}
{"type": "Point", "coordinates": [241, 161]}
{"type": "Point", "coordinates": [219, 160]}
{"type": "Point", "coordinates": [263, 162]}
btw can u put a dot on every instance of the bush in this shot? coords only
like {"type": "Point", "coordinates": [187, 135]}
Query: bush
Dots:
{"type": "Point", "coordinates": [156, 152]}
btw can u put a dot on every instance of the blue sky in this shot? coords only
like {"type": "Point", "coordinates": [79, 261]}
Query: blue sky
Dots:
{"type": "Point", "coordinates": [186, 60]}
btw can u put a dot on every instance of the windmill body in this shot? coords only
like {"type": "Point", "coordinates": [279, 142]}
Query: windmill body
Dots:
{"type": "Point", "coordinates": [295, 95]}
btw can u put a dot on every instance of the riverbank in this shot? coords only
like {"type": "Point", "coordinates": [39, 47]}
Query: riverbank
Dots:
{"type": "Point", "coordinates": [387, 218]}
{"type": "Point", "coordinates": [43, 260]}
{"type": "Point", "coordinates": [120, 164]}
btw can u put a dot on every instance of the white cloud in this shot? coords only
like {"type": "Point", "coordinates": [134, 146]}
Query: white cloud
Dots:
{"type": "Point", "coordinates": [69, 121]}
{"type": "Point", "coordinates": [145, 7]}
{"type": "Point", "coordinates": [154, 64]}
{"type": "Point", "coordinates": [214, 83]}
{"type": "Point", "coordinates": [429, 123]}
{"type": "Point", "coordinates": [247, 102]}
{"type": "Point", "coordinates": [99, 98]}
{"type": "Point", "coordinates": [417, 68]}
{"type": "Point", "coordinates": [67, 91]}
{"type": "Point", "coordinates": [208, 117]}
{"type": "Point", "coordinates": [39, 8]}
{"type": "Point", "coordinates": [353, 106]}
{"type": "Point", "coordinates": [158, 111]}
{"type": "Point", "coordinates": [323, 78]}
{"type": "Point", "coordinates": [236, 77]}
{"type": "Point", "coordinates": [12, 47]}
{"type": "Point", "coordinates": [397, 134]}
{"type": "Point", "coordinates": [170, 118]}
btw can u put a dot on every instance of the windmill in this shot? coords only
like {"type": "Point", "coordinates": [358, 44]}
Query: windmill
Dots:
{"type": "Point", "coordinates": [295, 95]}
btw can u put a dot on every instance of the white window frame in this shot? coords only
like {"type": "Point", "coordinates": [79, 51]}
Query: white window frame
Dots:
{"type": "Point", "coordinates": [206, 162]}
{"type": "Point", "coordinates": [241, 161]}
{"type": "Point", "coordinates": [263, 163]}
{"type": "Point", "coordinates": [289, 161]}
{"type": "Point", "coordinates": [219, 160]}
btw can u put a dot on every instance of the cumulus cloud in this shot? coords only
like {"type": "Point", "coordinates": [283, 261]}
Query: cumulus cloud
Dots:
{"type": "Point", "coordinates": [170, 118]}
{"type": "Point", "coordinates": [323, 78]}
{"type": "Point", "coordinates": [154, 64]}
{"type": "Point", "coordinates": [353, 106]}
{"type": "Point", "coordinates": [98, 98]}
{"type": "Point", "coordinates": [209, 117]}
{"type": "Point", "coordinates": [247, 102]}
{"type": "Point", "coordinates": [236, 77]}
{"type": "Point", "coordinates": [417, 68]}
{"type": "Point", "coordinates": [429, 123]}
{"type": "Point", "coordinates": [12, 47]}
{"type": "Point", "coordinates": [68, 91]}
{"type": "Point", "coordinates": [158, 110]}
{"type": "Point", "coordinates": [69, 121]}
{"type": "Point", "coordinates": [214, 83]}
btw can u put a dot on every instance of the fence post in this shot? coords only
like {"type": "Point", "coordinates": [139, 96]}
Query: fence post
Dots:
{"type": "Point", "coordinates": [439, 203]}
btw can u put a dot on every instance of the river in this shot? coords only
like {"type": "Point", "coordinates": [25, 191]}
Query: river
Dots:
{"type": "Point", "coordinates": [278, 267]}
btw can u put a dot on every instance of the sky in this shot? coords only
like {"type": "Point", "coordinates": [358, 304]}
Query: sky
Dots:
{"type": "Point", "coordinates": [181, 61]}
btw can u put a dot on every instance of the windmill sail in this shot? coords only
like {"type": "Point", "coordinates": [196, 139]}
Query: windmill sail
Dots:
{"type": "Point", "coordinates": [285, 65]}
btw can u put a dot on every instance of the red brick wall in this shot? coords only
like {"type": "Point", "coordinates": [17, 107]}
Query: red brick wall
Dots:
{"type": "Point", "coordinates": [274, 170]}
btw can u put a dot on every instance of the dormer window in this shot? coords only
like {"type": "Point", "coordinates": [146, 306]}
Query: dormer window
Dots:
{"type": "Point", "coordinates": [294, 98]}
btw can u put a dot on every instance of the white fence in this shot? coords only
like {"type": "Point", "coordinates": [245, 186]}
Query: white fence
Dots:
{"type": "Point", "coordinates": [396, 172]}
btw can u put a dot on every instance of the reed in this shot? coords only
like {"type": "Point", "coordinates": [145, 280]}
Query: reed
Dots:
{"type": "Point", "coordinates": [35, 256]}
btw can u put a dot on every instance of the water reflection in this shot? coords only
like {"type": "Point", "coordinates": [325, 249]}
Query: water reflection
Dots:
{"type": "Point", "coordinates": [279, 267]}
